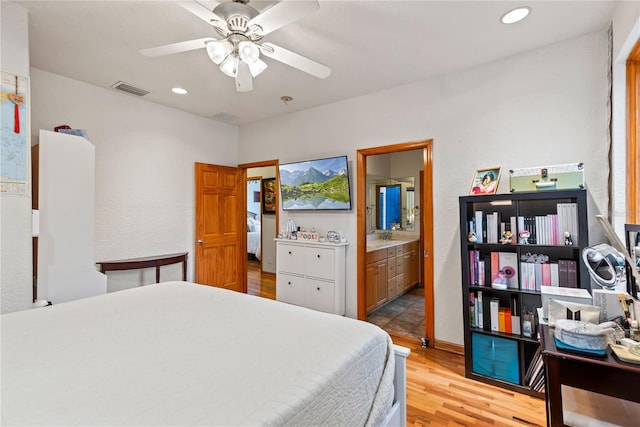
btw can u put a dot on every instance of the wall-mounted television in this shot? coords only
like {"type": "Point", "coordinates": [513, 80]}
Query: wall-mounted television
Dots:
{"type": "Point", "coordinates": [315, 185]}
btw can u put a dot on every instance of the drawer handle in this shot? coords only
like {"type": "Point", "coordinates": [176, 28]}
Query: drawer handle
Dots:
{"type": "Point", "coordinates": [318, 288]}
{"type": "Point", "coordinates": [289, 252]}
{"type": "Point", "coordinates": [318, 255]}
{"type": "Point", "coordinates": [289, 283]}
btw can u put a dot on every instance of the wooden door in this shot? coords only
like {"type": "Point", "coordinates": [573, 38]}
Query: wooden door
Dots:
{"type": "Point", "coordinates": [220, 246]}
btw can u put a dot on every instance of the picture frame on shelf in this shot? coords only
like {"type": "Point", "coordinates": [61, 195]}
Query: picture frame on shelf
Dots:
{"type": "Point", "coordinates": [485, 181]}
{"type": "Point", "coordinates": [269, 196]}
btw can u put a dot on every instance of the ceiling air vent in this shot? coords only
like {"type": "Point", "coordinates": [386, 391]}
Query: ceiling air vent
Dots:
{"type": "Point", "coordinates": [130, 89]}
{"type": "Point", "coordinates": [225, 117]}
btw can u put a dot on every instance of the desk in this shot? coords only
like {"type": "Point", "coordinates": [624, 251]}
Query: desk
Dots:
{"type": "Point", "coordinates": [601, 375]}
{"type": "Point", "coordinates": [156, 261]}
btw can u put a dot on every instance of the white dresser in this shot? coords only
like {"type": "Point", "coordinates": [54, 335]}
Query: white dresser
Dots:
{"type": "Point", "coordinates": [311, 274]}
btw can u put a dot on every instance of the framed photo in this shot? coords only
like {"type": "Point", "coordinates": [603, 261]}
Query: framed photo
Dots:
{"type": "Point", "coordinates": [485, 181]}
{"type": "Point", "coordinates": [269, 196]}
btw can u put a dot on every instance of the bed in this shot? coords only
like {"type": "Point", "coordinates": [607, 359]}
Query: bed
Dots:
{"type": "Point", "coordinates": [254, 235]}
{"type": "Point", "coordinates": [178, 353]}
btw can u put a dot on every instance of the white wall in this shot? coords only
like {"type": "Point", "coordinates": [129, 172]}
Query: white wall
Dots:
{"type": "Point", "coordinates": [145, 155]}
{"type": "Point", "coordinates": [16, 291]}
{"type": "Point", "coordinates": [547, 106]}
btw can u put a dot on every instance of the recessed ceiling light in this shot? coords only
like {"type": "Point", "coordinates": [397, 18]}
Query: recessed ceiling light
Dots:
{"type": "Point", "coordinates": [179, 90]}
{"type": "Point", "coordinates": [515, 15]}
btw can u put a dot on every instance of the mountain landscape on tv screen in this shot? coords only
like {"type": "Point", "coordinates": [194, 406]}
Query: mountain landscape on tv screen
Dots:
{"type": "Point", "coordinates": [315, 185]}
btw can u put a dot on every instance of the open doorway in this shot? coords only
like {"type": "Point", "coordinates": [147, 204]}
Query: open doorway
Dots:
{"type": "Point", "coordinates": [415, 222]}
{"type": "Point", "coordinates": [262, 227]}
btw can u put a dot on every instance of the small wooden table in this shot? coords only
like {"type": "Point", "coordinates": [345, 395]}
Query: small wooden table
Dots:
{"type": "Point", "coordinates": [156, 261]}
{"type": "Point", "coordinates": [604, 375]}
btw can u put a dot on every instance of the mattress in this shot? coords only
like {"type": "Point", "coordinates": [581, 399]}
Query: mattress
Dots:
{"type": "Point", "coordinates": [253, 243]}
{"type": "Point", "coordinates": [177, 353]}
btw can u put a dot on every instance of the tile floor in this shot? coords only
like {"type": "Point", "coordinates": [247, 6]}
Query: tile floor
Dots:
{"type": "Point", "coordinates": [403, 316]}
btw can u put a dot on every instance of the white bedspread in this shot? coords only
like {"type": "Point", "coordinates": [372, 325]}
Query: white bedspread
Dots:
{"type": "Point", "coordinates": [183, 354]}
{"type": "Point", "coordinates": [253, 243]}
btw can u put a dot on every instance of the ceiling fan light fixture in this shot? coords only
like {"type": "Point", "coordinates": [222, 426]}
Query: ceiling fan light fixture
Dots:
{"type": "Point", "coordinates": [230, 66]}
{"type": "Point", "coordinates": [219, 50]}
{"type": "Point", "coordinates": [257, 67]}
{"type": "Point", "coordinates": [248, 52]}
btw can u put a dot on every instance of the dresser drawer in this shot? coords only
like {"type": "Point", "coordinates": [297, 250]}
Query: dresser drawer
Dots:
{"type": "Point", "coordinates": [319, 262]}
{"type": "Point", "coordinates": [290, 258]}
{"type": "Point", "coordinates": [495, 357]}
{"type": "Point", "coordinates": [290, 289]}
{"type": "Point", "coordinates": [319, 295]}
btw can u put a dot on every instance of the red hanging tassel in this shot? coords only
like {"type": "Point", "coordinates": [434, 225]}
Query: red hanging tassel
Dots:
{"type": "Point", "coordinates": [16, 119]}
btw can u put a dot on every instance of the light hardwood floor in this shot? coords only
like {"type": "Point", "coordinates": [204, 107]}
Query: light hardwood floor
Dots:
{"type": "Point", "coordinates": [438, 394]}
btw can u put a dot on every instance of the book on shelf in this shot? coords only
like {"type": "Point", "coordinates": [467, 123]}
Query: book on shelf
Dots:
{"type": "Point", "coordinates": [479, 228]}
{"type": "Point", "coordinates": [567, 221]}
{"type": "Point", "coordinates": [507, 320]}
{"type": "Point", "coordinates": [508, 263]}
{"type": "Point", "coordinates": [479, 310]}
{"type": "Point", "coordinates": [534, 377]}
{"type": "Point", "coordinates": [572, 273]}
{"type": "Point", "coordinates": [535, 275]}
{"type": "Point", "coordinates": [472, 310]}
{"type": "Point", "coordinates": [476, 268]}
{"type": "Point", "coordinates": [494, 306]}
{"type": "Point", "coordinates": [502, 314]}
{"type": "Point", "coordinates": [567, 273]}
{"type": "Point", "coordinates": [515, 316]}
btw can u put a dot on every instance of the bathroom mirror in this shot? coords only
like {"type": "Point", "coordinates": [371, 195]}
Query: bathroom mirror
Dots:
{"type": "Point", "coordinates": [390, 203]}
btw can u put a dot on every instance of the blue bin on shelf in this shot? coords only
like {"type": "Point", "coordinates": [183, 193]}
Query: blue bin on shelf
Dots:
{"type": "Point", "coordinates": [495, 357]}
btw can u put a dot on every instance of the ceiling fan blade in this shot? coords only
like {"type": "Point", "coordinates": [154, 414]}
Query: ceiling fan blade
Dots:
{"type": "Point", "coordinates": [204, 12]}
{"type": "Point", "coordinates": [172, 48]}
{"type": "Point", "coordinates": [296, 61]}
{"type": "Point", "coordinates": [283, 13]}
{"type": "Point", "coordinates": [244, 81]}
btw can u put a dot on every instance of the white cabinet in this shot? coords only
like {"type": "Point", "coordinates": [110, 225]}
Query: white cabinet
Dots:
{"type": "Point", "coordinates": [311, 274]}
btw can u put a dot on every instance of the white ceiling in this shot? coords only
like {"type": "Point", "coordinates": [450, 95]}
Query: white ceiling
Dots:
{"type": "Point", "coordinates": [369, 45]}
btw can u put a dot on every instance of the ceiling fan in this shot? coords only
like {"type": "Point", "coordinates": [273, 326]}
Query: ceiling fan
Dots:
{"type": "Point", "coordinates": [240, 29]}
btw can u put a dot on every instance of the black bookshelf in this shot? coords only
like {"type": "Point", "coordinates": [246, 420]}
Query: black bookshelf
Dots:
{"type": "Point", "coordinates": [507, 357]}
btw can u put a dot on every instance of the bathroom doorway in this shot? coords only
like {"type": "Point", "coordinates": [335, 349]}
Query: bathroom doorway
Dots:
{"type": "Point", "coordinates": [375, 170]}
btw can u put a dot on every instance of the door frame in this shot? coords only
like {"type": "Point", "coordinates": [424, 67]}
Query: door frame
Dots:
{"type": "Point", "coordinates": [426, 225]}
{"type": "Point", "coordinates": [243, 167]}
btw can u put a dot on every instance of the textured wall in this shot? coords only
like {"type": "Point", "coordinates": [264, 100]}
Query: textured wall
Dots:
{"type": "Point", "coordinates": [15, 217]}
{"type": "Point", "coordinates": [547, 106]}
